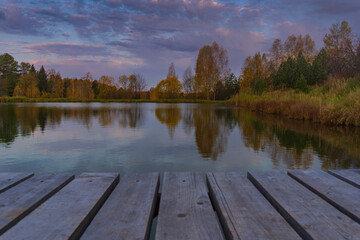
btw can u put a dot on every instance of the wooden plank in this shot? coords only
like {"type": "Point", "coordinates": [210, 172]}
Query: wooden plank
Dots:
{"type": "Point", "coordinates": [185, 209]}
{"type": "Point", "coordinates": [8, 180]}
{"type": "Point", "coordinates": [341, 195]}
{"type": "Point", "coordinates": [19, 201]}
{"type": "Point", "coordinates": [128, 212]}
{"type": "Point", "coordinates": [244, 211]}
{"type": "Point", "coordinates": [307, 213]}
{"type": "Point", "coordinates": [68, 212]}
{"type": "Point", "coordinates": [351, 176]}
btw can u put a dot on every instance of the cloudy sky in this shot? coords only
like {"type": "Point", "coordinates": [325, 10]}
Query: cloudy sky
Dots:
{"type": "Point", "coordinates": [116, 37]}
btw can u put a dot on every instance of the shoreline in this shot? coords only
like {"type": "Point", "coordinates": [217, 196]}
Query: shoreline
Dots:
{"type": "Point", "coordinates": [339, 111]}
{"type": "Point", "coordinates": [75, 100]}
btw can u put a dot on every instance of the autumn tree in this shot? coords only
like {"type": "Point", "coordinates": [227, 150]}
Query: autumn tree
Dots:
{"type": "Point", "coordinates": [27, 86]}
{"type": "Point", "coordinates": [254, 68]}
{"type": "Point", "coordinates": [107, 88]}
{"type": "Point", "coordinates": [293, 45]}
{"type": "Point", "coordinates": [171, 71]}
{"type": "Point", "coordinates": [340, 50]}
{"type": "Point", "coordinates": [296, 44]}
{"type": "Point", "coordinates": [80, 88]}
{"type": "Point", "coordinates": [220, 91]}
{"type": "Point", "coordinates": [55, 84]}
{"type": "Point", "coordinates": [211, 66]}
{"type": "Point", "coordinates": [188, 81]}
{"type": "Point", "coordinates": [169, 88]}
{"type": "Point", "coordinates": [132, 86]}
{"type": "Point", "coordinates": [357, 60]}
{"type": "Point", "coordinates": [276, 54]}
{"type": "Point", "coordinates": [9, 76]}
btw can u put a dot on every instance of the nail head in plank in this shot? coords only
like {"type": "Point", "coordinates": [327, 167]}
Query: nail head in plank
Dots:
{"type": "Point", "coordinates": [244, 211]}
{"type": "Point", "coordinates": [20, 200]}
{"type": "Point", "coordinates": [129, 210]}
{"type": "Point", "coordinates": [351, 176]}
{"type": "Point", "coordinates": [310, 216]}
{"type": "Point", "coordinates": [338, 193]}
{"type": "Point", "coordinates": [8, 180]}
{"type": "Point", "coordinates": [68, 212]}
{"type": "Point", "coordinates": [185, 210]}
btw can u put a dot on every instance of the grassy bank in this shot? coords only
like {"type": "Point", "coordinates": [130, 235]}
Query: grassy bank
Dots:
{"type": "Point", "coordinates": [337, 102]}
{"type": "Point", "coordinates": [44, 100]}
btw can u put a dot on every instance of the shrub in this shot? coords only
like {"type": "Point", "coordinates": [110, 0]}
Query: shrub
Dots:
{"type": "Point", "coordinates": [259, 86]}
{"type": "Point", "coordinates": [301, 84]}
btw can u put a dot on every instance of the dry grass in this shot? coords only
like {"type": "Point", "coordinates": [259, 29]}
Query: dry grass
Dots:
{"type": "Point", "coordinates": [336, 102]}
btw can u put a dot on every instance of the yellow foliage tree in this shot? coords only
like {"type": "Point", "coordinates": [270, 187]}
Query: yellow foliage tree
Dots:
{"type": "Point", "coordinates": [254, 68]}
{"type": "Point", "coordinates": [27, 86]}
{"type": "Point", "coordinates": [168, 88]}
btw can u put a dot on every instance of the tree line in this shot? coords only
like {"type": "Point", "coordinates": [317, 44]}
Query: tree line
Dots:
{"type": "Point", "coordinates": [24, 80]}
{"type": "Point", "coordinates": [294, 63]}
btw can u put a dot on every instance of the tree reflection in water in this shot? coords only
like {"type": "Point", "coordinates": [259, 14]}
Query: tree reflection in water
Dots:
{"type": "Point", "coordinates": [293, 144]}
{"type": "Point", "coordinates": [170, 115]}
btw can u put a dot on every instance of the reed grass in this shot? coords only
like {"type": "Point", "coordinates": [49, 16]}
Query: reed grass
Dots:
{"type": "Point", "coordinates": [337, 102]}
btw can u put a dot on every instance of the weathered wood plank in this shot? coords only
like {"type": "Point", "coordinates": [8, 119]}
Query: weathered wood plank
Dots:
{"type": "Point", "coordinates": [244, 211]}
{"type": "Point", "coordinates": [307, 213]}
{"type": "Point", "coordinates": [8, 180]}
{"type": "Point", "coordinates": [338, 193]}
{"type": "Point", "coordinates": [19, 201]}
{"type": "Point", "coordinates": [185, 209]}
{"type": "Point", "coordinates": [351, 176]}
{"type": "Point", "coordinates": [68, 212]}
{"type": "Point", "coordinates": [128, 212]}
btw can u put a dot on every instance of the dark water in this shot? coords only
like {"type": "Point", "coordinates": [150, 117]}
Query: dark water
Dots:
{"type": "Point", "coordinates": [141, 137]}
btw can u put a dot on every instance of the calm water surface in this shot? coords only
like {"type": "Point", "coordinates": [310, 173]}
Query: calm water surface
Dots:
{"type": "Point", "coordinates": [142, 137]}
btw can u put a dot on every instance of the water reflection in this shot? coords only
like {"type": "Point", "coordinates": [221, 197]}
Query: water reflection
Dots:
{"type": "Point", "coordinates": [170, 115]}
{"type": "Point", "coordinates": [287, 144]}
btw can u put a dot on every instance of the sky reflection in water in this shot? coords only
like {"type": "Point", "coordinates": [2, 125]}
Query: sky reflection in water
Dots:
{"type": "Point", "coordinates": [142, 137]}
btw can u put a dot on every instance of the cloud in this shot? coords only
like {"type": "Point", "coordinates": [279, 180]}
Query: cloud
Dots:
{"type": "Point", "coordinates": [68, 49]}
{"type": "Point", "coordinates": [147, 35]}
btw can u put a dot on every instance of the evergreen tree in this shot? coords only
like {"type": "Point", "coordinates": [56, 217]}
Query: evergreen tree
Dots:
{"type": "Point", "coordinates": [302, 67]}
{"type": "Point", "coordinates": [220, 91]}
{"type": "Point", "coordinates": [286, 75]}
{"type": "Point", "coordinates": [301, 83]}
{"type": "Point", "coordinates": [42, 80]}
{"type": "Point", "coordinates": [319, 68]}
{"type": "Point", "coordinates": [9, 74]}
{"type": "Point", "coordinates": [231, 85]}
{"type": "Point", "coordinates": [32, 69]}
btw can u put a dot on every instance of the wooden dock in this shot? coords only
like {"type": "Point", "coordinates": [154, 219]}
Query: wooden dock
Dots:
{"type": "Point", "coordinates": [309, 204]}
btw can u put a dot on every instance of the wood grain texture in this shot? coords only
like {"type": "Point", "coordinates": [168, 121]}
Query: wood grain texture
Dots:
{"type": "Point", "coordinates": [20, 200]}
{"type": "Point", "coordinates": [307, 213]}
{"type": "Point", "coordinates": [185, 210]}
{"type": "Point", "coordinates": [8, 180]}
{"type": "Point", "coordinates": [351, 176]}
{"type": "Point", "coordinates": [244, 212]}
{"type": "Point", "coordinates": [68, 212]}
{"type": "Point", "coordinates": [128, 212]}
{"type": "Point", "coordinates": [338, 193]}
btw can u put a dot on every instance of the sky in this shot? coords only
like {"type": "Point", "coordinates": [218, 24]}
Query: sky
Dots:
{"type": "Point", "coordinates": [114, 37]}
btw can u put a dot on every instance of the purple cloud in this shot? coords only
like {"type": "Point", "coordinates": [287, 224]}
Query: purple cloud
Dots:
{"type": "Point", "coordinates": [145, 36]}
{"type": "Point", "coordinates": [68, 49]}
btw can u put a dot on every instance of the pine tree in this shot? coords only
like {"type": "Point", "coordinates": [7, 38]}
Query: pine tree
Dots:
{"type": "Point", "coordinates": [302, 67]}
{"type": "Point", "coordinates": [319, 68]}
{"type": "Point", "coordinates": [231, 85]}
{"type": "Point", "coordinates": [42, 80]}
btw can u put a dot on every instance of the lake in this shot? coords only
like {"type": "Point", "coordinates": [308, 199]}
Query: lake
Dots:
{"type": "Point", "coordinates": [145, 137]}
